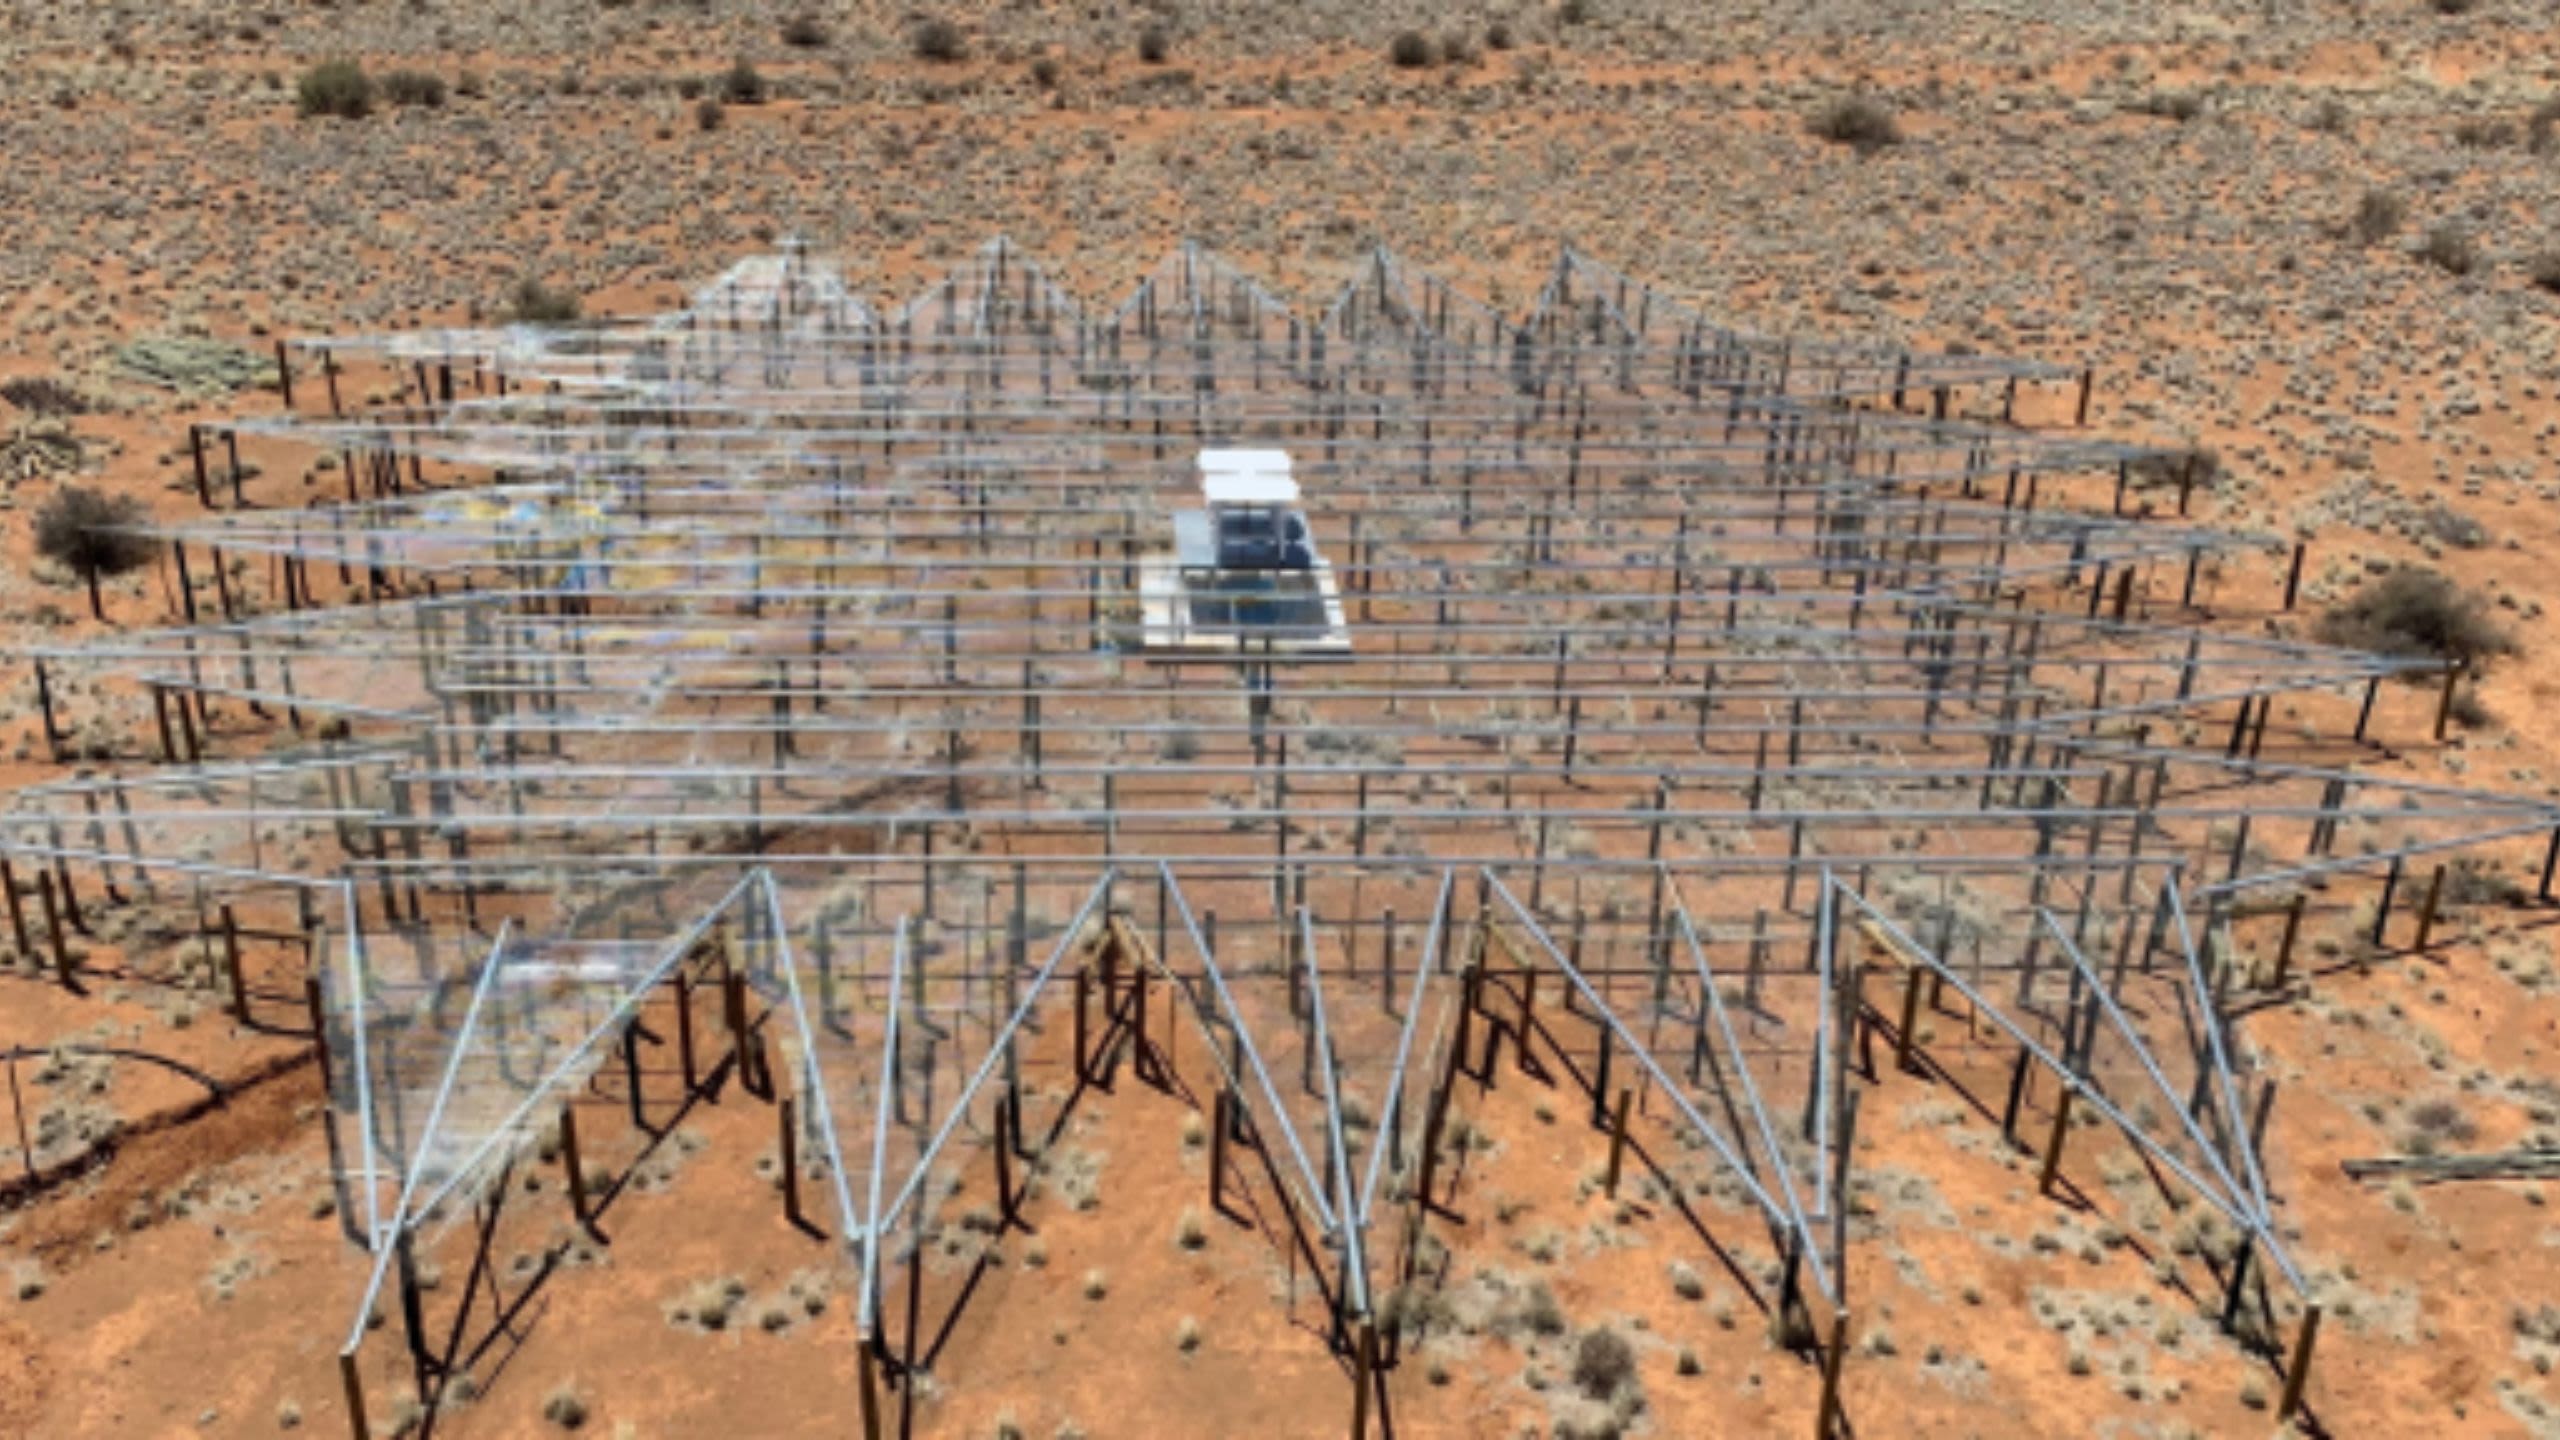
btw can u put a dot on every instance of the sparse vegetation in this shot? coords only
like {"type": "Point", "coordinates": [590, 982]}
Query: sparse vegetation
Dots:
{"type": "Point", "coordinates": [338, 88]}
{"type": "Point", "coordinates": [939, 40]}
{"type": "Point", "coordinates": [1604, 1363]}
{"type": "Point", "coordinates": [1410, 50]}
{"type": "Point", "coordinates": [95, 536]}
{"type": "Point", "coordinates": [44, 395]}
{"type": "Point", "coordinates": [2435, 1124]}
{"type": "Point", "coordinates": [2543, 271]}
{"type": "Point", "coordinates": [742, 85]}
{"type": "Point", "coordinates": [1155, 44]}
{"type": "Point", "coordinates": [2542, 128]}
{"type": "Point", "coordinates": [566, 1408]}
{"type": "Point", "coordinates": [1858, 121]}
{"type": "Point", "coordinates": [413, 89]}
{"type": "Point", "coordinates": [2451, 249]}
{"type": "Point", "coordinates": [2378, 217]}
{"type": "Point", "coordinates": [805, 32]}
{"type": "Point", "coordinates": [2420, 613]}
{"type": "Point", "coordinates": [535, 303]}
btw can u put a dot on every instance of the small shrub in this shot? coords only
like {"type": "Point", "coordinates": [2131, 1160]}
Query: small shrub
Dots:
{"type": "Point", "coordinates": [1498, 36]}
{"type": "Point", "coordinates": [2330, 118]}
{"type": "Point", "coordinates": [2451, 527]}
{"type": "Point", "coordinates": [1189, 1232]}
{"type": "Point", "coordinates": [1180, 746]}
{"type": "Point", "coordinates": [805, 32]}
{"type": "Point", "coordinates": [1096, 1285]}
{"type": "Point", "coordinates": [1155, 43]}
{"type": "Point", "coordinates": [1685, 1281]}
{"type": "Point", "coordinates": [94, 535]}
{"type": "Point", "coordinates": [413, 88]}
{"type": "Point", "coordinates": [565, 1408]}
{"type": "Point", "coordinates": [44, 395]}
{"type": "Point", "coordinates": [1186, 1336]}
{"type": "Point", "coordinates": [1603, 1363]}
{"type": "Point", "coordinates": [1574, 12]}
{"type": "Point", "coordinates": [2178, 105]}
{"type": "Point", "coordinates": [1044, 72]}
{"type": "Point", "coordinates": [2435, 1123]}
{"type": "Point", "coordinates": [335, 87]}
{"type": "Point", "coordinates": [2416, 612]}
{"type": "Point", "coordinates": [709, 114]}
{"type": "Point", "coordinates": [2542, 127]}
{"type": "Point", "coordinates": [2456, 7]}
{"type": "Point", "coordinates": [2544, 271]}
{"type": "Point", "coordinates": [1409, 50]}
{"type": "Point", "coordinates": [538, 304]}
{"type": "Point", "coordinates": [2450, 248]}
{"type": "Point", "coordinates": [1858, 121]}
{"type": "Point", "coordinates": [2378, 217]}
{"type": "Point", "coordinates": [1539, 1310]}
{"type": "Point", "coordinates": [940, 41]}
{"type": "Point", "coordinates": [742, 85]}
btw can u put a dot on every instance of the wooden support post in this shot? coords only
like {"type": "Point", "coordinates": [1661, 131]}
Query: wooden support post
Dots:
{"type": "Point", "coordinates": [569, 1162]}
{"type": "Point", "coordinates": [1084, 995]}
{"type": "Point", "coordinates": [787, 1112]}
{"type": "Point", "coordinates": [2298, 1373]}
{"type": "Point", "coordinates": [1618, 1142]}
{"type": "Point", "coordinates": [204, 485]}
{"type": "Point", "coordinates": [1903, 1038]}
{"type": "Point", "coordinates": [1364, 1367]}
{"type": "Point", "coordinates": [2284, 947]}
{"type": "Point", "coordinates": [231, 965]}
{"type": "Point", "coordinates": [2427, 909]}
{"type": "Point", "coordinates": [2053, 1142]}
{"type": "Point", "coordinates": [1219, 1123]}
{"type": "Point", "coordinates": [1827, 1417]}
{"type": "Point", "coordinates": [53, 928]}
{"type": "Point", "coordinates": [869, 1349]}
{"type": "Point", "coordinates": [1006, 1127]}
{"type": "Point", "coordinates": [17, 910]}
{"type": "Point", "coordinates": [358, 1424]}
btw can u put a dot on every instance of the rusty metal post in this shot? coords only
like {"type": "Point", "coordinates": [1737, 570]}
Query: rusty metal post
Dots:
{"type": "Point", "coordinates": [2053, 1142]}
{"type": "Point", "coordinates": [2427, 909]}
{"type": "Point", "coordinates": [2298, 1374]}
{"type": "Point", "coordinates": [1618, 1142]}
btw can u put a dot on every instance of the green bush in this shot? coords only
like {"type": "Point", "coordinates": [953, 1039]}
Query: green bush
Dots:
{"type": "Point", "coordinates": [939, 40]}
{"type": "Point", "coordinates": [336, 87]}
{"type": "Point", "coordinates": [2377, 218]}
{"type": "Point", "coordinates": [1603, 1363]}
{"type": "Point", "coordinates": [742, 85]}
{"type": "Point", "coordinates": [538, 304]}
{"type": "Point", "coordinates": [413, 87]}
{"type": "Point", "coordinates": [94, 535]}
{"type": "Point", "coordinates": [2417, 613]}
{"type": "Point", "coordinates": [1858, 121]}
{"type": "Point", "coordinates": [2451, 249]}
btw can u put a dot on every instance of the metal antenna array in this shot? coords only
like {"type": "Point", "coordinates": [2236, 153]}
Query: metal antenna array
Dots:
{"type": "Point", "coordinates": [775, 689]}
